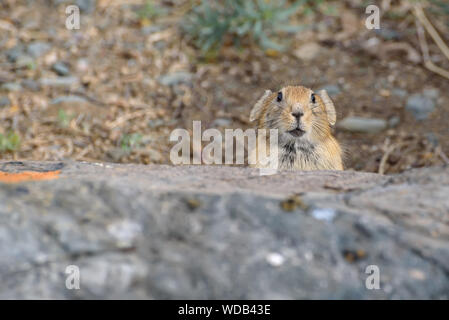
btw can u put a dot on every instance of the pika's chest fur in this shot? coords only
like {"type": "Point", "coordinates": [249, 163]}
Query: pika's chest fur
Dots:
{"type": "Point", "coordinates": [305, 155]}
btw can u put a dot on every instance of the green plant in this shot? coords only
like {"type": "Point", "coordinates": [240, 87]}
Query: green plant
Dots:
{"type": "Point", "coordinates": [258, 20]}
{"type": "Point", "coordinates": [64, 118]}
{"type": "Point", "coordinates": [150, 11]}
{"type": "Point", "coordinates": [9, 142]}
{"type": "Point", "coordinates": [130, 141]}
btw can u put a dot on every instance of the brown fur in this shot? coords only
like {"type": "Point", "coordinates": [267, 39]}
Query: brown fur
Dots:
{"type": "Point", "coordinates": [315, 148]}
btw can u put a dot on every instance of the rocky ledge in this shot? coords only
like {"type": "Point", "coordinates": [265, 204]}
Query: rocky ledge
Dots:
{"type": "Point", "coordinates": [199, 232]}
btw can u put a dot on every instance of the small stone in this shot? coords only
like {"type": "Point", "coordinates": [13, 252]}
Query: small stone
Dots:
{"type": "Point", "coordinates": [68, 99]}
{"type": "Point", "coordinates": [59, 82]}
{"type": "Point", "coordinates": [401, 93]}
{"type": "Point", "coordinates": [14, 53]}
{"type": "Point", "coordinates": [147, 30]}
{"type": "Point", "coordinates": [155, 156]}
{"type": "Point", "coordinates": [431, 93]}
{"type": "Point", "coordinates": [175, 78]}
{"type": "Point", "coordinates": [363, 125]}
{"type": "Point", "coordinates": [82, 65]}
{"type": "Point", "coordinates": [87, 6]}
{"type": "Point", "coordinates": [11, 86]}
{"type": "Point", "coordinates": [308, 51]}
{"type": "Point", "coordinates": [420, 106]}
{"type": "Point", "coordinates": [60, 68]}
{"type": "Point", "coordinates": [30, 84]}
{"type": "Point", "coordinates": [388, 34]}
{"type": "Point", "coordinates": [4, 102]}
{"type": "Point", "coordinates": [393, 121]}
{"type": "Point", "coordinates": [331, 89]}
{"type": "Point", "coordinates": [155, 123]}
{"type": "Point", "coordinates": [25, 61]}
{"type": "Point", "coordinates": [432, 138]}
{"type": "Point", "coordinates": [38, 49]}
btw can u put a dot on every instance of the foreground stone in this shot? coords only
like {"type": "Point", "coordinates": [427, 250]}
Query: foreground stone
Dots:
{"type": "Point", "coordinates": [221, 232]}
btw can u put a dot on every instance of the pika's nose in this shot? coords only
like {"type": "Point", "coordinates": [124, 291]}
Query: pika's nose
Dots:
{"type": "Point", "coordinates": [297, 115]}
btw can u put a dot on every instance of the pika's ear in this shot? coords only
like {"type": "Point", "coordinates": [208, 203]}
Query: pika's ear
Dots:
{"type": "Point", "coordinates": [255, 112]}
{"type": "Point", "coordinates": [330, 109]}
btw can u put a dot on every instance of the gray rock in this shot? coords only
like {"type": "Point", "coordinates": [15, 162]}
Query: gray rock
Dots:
{"type": "Point", "coordinates": [213, 232]}
{"type": "Point", "coordinates": [388, 34]}
{"type": "Point", "coordinates": [25, 61]}
{"type": "Point", "coordinates": [420, 106]}
{"type": "Point", "coordinates": [11, 86]}
{"type": "Point", "coordinates": [38, 48]}
{"type": "Point", "coordinates": [4, 102]}
{"type": "Point", "coordinates": [393, 121]}
{"type": "Point", "coordinates": [331, 89]}
{"type": "Point", "coordinates": [147, 30]}
{"type": "Point", "coordinates": [401, 93]}
{"type": "Point", "coordinates": [363, 125]}
{"type": "Point", "coordinates": [175, 78]}
{"type": "Point", "coordinates": [68, 99]}
{"type": "Point", "coordinates": [432, 138]}
{"type": "Point", "coordinates": [60, 68]}
{"type": "Point", "coordinates": [431, 93]}
{"type": "Point", "coordinates": [31, 84]}
{"type": "Point", "coordinates": [59, 82]}
{"type": "Point", "coordinates": [87, 6]}
{"type": "Point", "coordinates": [14, 53]}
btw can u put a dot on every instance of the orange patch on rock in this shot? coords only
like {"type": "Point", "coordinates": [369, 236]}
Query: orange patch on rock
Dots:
{"type": "Point", "coordinates": [8, 177]}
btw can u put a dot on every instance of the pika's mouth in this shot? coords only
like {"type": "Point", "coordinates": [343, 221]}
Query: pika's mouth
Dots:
{"type": "Point", "coordinates": [297, 132]}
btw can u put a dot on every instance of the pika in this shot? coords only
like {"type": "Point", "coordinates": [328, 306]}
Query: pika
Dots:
{"type": "Point", "coordinates": [303, 119]}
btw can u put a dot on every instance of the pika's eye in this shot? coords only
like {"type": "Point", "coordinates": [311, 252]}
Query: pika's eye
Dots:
{"type": "Point", "coordinates": [312, 97]}
{"type": "Point", "coordinates": [279, 98]}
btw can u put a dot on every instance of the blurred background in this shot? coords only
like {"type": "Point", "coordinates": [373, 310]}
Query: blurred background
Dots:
{"type": "Point", "coordinates": [135, 70]}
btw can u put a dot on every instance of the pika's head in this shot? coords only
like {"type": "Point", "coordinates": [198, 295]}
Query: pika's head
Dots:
{"type": "Point", "coordinates": [297, 113]}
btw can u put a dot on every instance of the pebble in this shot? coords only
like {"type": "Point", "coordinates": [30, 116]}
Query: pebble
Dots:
{"type": "Point", "coordinates": [11, 86]}
{"type": "Point", "coordinates": [393, 121]}
{"type": "Point", "coordinates": [14, 53]}
{"type": "Point", "coordinates": [38, 48]}
{"type": "Point", "coordinates": [401, 93]}
{"type": "Point", "coordinates": [68, 99]}
{"type": "Point", "coordinates": [60, 68]}
{"type": "Point", "coordinates": [431, 93]}
{"type": "Point", "coordinates": [420, 106]}
{"type": "Point", "coordinates": [147, 30]}
{"type": "Point", "coordinates": [25, 61]}
{"type": "Point", "coordinates": [87, 6]}
{"type": "Point", "coordinates": [4, 102]}
{"type": "Point", "coordinates": [308, 51]}
{"type": "Point", "coordinates": [363, 125]}
{"type": "Point", "coordinates": [175, 78]}
{"type": "Point", "coordinates": [59, 82]}
{"type": "Point", "coordinates": [30, 84]}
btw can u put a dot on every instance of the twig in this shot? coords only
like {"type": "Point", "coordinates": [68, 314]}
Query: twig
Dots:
{"type": "Point", "coordinates": [443, 156]}
{"type": "Point", "coordinates": [422, 20]}
{"type": "Point", "coordinates": [419, 13]}
{"type": "Point", "coordinates": [385, 156]}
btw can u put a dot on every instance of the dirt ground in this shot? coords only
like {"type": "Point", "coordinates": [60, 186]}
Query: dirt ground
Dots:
{"type": "Point", "coordinates": [115, 89]}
